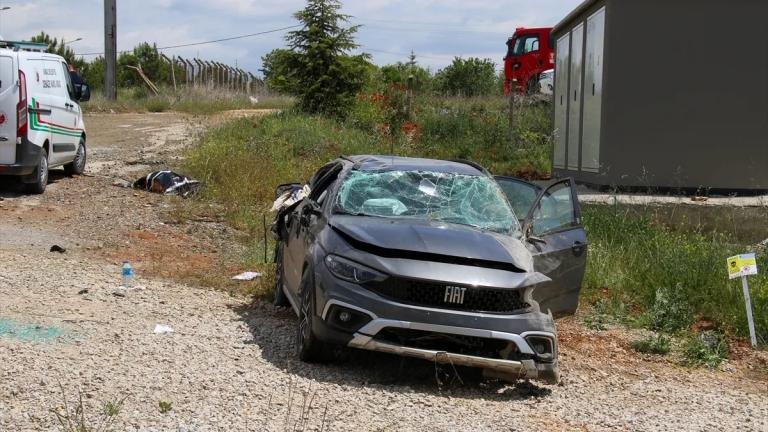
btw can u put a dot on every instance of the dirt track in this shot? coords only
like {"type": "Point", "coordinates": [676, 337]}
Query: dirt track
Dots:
{"type": "Point", "coordinates": [229, 365]}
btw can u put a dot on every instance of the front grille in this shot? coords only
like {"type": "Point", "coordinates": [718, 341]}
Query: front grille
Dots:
{"type": "Point", "coordinates": [432, 294]}
{"type": "Point", "coordinates": [457, 344]}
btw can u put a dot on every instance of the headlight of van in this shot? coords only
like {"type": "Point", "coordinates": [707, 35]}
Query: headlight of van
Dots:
{"type": "Point", "coordinates": [351, 271]}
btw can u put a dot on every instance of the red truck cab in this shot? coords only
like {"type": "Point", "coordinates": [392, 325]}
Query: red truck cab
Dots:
{"type": "Point", "coordinates": [530, 51]}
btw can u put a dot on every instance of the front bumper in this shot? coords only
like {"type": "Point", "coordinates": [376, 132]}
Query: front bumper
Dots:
{"type": "Point", "coordinates": [376, 317]}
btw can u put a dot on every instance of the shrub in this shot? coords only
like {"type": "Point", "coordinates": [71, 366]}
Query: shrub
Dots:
{"type": "Point", "coordinates": [660, 344]}
{"type": "Point", "coordinates": [467, 77]}
{"type": "Point", "coordinates": [707, 349]}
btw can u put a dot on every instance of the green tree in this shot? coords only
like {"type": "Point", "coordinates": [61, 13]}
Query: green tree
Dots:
{"type": "Point", "coordinates": [58, 47]}
{"type": "Point", "coordinates": [408, 74]}
{"type": "Point", "coordinates": [467, 77]}
{"type": "Point", "coordinates": [328, 76]}
{"type": "Point", "coordinates": [93, 73]}
{"type": "Point", "coordinates": [279, 75]}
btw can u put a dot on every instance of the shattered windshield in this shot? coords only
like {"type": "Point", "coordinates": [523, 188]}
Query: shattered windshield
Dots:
{"type": "Point", "coordinates": [461, 199]}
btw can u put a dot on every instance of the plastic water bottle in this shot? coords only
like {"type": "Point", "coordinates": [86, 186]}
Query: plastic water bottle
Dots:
{"type": "Point", "coordinates": [127, 275]}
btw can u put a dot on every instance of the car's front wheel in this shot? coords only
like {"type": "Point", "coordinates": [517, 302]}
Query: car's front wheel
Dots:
{"type": "Point", "coordinates": [308, 347]}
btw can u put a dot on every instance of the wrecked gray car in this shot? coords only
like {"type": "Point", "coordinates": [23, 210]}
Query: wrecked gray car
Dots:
{"type": "Point", "coordinates": [427, 259]}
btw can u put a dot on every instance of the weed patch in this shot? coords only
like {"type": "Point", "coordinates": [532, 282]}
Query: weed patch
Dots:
{"type": "Point", "coordinates": [670, 276]}
{"type": "Point", "coordinates": [706, 349]}
{"type": "Point", "coordinates": [660, 345]}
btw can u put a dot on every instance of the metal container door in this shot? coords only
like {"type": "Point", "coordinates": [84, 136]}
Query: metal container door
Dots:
{"type": "Point", "coordinates": [574, 109]}
{"type": "Point", "coordinates": [593, 95]}
{"type": "Point", "coordinates": [561, 100]}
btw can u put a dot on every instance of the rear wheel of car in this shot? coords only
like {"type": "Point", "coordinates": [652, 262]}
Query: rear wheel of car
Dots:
{"type": "Point", "coordinates": [40, 175]}
{"type": "Point", "coordinates": [308, 347]}
{"type": "Point", "coordinates": [281, 299]}
{"type": "Point", "coordinates": [77, 167]}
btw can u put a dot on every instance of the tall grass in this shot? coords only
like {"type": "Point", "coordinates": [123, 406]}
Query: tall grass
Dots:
{"type": "Point", "coordinates": [201, 100]}
{"type": "Point", "coordinates": [242, 161]}
{"type": "Point", "coordinates": [672, 277]}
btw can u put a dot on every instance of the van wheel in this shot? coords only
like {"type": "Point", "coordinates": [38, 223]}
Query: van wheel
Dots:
{"type": "Point", "coordinates": [281, 299]}
{"type": "Point", "coordinates": [308, 347]}
{"type": "Point", "coordinates": [40, 175]}
{"type": "Point", "coordinates": [77, 167]}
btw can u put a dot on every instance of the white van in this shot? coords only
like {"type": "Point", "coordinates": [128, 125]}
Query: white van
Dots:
{"type": "Point", "coordinates": [41, 123]}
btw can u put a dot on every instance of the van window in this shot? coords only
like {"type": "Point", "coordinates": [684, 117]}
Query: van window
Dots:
{"type": "Point", "coordinates": [68, 80]}
{"type": "Point", "coordinates": [525, 44]}
{"type": "Point", "coordinates": [6, 73]}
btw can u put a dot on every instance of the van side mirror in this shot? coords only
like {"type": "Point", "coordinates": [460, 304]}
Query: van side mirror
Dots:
{"type": "Point", "coordinates": [82, 92]}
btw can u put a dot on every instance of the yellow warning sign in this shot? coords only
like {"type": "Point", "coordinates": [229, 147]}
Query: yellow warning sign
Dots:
{"type": "Point", "coordinates": [742, 265]}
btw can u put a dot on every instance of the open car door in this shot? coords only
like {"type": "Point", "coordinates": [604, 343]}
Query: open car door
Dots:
{"type": "Point", "coordinates": [554, 236]}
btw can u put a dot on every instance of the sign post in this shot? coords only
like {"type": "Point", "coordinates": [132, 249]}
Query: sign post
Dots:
{"type": "Point", "coordinates": [742, 266]}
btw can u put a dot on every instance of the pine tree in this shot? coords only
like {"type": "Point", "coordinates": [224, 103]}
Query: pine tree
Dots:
{"type": "Point", "coordinates": [328, 76]}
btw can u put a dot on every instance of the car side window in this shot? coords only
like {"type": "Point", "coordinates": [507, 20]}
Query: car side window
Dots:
{"type": "Point", "coordinates": [521, 195]}
{"type": "Point", "coordinates": [555, 211]}
{"type": "Point", "coordinates": [321, 181]}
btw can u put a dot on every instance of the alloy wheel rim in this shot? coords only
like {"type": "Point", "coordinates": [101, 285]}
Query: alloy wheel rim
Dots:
{"type": "Point", "coordinates": [80, 157]}
{"type": "Point", "coordinates": [43, 171]}
{"type": "Point", "coordinates": [303, 323]}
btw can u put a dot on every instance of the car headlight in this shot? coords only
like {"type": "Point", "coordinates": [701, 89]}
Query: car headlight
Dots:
{"type": "Point", "coordinates": [351, 271]}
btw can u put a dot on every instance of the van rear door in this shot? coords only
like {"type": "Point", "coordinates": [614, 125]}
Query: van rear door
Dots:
{"type": "Point", "coordinates": [9, 98]}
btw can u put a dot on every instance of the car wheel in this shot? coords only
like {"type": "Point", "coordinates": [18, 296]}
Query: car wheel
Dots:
{"type": "Point", "coordinates": [40, 175]}
{"type": "Point", "coordinates": [308, 347]}
{"type": "Point", "coordinates": [281, 299]}
{"type": "Point", "coordinates": [77, 166]}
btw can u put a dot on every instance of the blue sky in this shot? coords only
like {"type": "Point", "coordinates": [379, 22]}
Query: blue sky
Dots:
{"type": "Point", "coordinates": [436, 30]}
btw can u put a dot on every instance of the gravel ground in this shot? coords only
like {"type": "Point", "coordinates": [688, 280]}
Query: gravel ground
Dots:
{"type": "Point", "coordinates": [229, 365]}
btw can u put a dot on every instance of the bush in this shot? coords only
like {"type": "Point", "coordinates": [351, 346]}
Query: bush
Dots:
{"type": "Point", "coordinates": [467, 77]}
{"type": "Point", "coordinates": [707, 349]}
{"type": "Point", "coordinates": [660, 345]}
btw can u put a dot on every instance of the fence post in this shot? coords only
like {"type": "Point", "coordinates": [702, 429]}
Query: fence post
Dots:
{"type": "Point", "coordinates": [512, 113]}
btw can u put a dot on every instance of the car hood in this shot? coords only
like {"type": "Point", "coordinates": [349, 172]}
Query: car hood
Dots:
{"type": "Point", "coordinates": [431, 240]}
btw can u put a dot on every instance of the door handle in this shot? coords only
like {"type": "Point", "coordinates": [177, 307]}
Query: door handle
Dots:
{"type": "Point", "coordinates": [3, 139]}
{"type": "Point", "coordinates": [578, 248]}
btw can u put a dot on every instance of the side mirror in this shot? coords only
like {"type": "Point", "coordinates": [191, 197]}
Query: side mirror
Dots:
{"type": "Point", "coordinates": [83, 92]}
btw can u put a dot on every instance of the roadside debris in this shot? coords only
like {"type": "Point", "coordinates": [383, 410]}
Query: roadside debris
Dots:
{"type": "Point", "coordinates": [58, 249]}
{"type": "Point", "coordinates": [247, 276]}
{"type": "Point", "coordinates": [167, 183]}
{"type": "Point", "coordinates": [291, 195]}
{"type": "Point", "coordinates": [163, 329]}
{"type": "Point", "coordinates": [127, 274]}
{"type": "Point", "coordinates": [83, 292]}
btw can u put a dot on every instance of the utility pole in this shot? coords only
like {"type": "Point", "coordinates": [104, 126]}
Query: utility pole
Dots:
{"type": "Point", "coordinates": [110, 49]}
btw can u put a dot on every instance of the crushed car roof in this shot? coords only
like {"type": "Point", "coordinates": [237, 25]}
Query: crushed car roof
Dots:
{"type": "Point", "coordinates": [399, 163]}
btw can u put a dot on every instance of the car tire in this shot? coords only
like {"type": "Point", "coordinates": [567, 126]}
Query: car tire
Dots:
{"type": "Point", "coordinates": [77, 167]}
{"type": "Point", "coordinates": [280, 300]}
{"type": "Point", "coordinates": [40, 175]}
{"type": "Point", "coordinates": [308, 347]}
